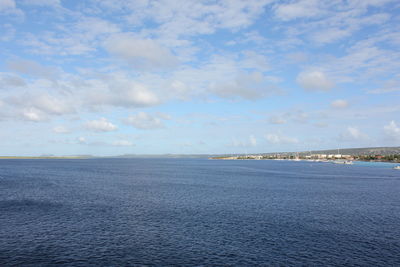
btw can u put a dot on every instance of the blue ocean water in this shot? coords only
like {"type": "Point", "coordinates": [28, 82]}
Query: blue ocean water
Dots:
{"type": "Point", "coordinates": [197, 212]}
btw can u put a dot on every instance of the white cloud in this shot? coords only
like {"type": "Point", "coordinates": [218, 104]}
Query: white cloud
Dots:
{"type": "Point", "coordinates": [323, 22]}
{"type": "Point", "coordinates": [299, 9]}
{"type": "Point", "coordinates": [119, 90]}
{"type": "Point", "coordinates": [279, 139]}
{"type": "Point", "coordinates": [61, 129]}
{"type": "Point", "coordinates": [321, 124]}
{"type": "Point", "coordinates": [143, 54]}
{"type": "Point", "coordinates": [100, 125]}
{"type": "Point", "coordinates": [299, 116]}
{"type": "Point", "coordinates": [250, 86]}
{"type": "Point", "coordinates": [8, 32]}
{"type": "Point", "coordinates": [43, 105]}
{"type": "Point", "coordinates": [253, 60]}
{"type": "Point", "coordinates": [32, 114]}
{"type": "Point", "coordinates": [69, 94]}
{"type": "Point", "coordinates": [122, 143]}
{"type": "Point", "coordinates": [116, 143]}
{"type": "Point", "coordinates": [388, 87]}
{"type": "Point", "coordinates": [53, 3]}
{"type": "Point", "coordinates": [330, 35]}
{"type": "Point", "coordinates": [137, 96]}
{"type": "Point", "coordinates": [392, 131]}
{"type": "Point", "coordinates": [7, 4]}
{"type": "Point", "coordinates": [237, 143]}
{"type": "Point", "coordinates": [314, 81]}
{"type": "Point", "coordinates": [33, 68]}
{"type": "Point", "coordinates": [252, 140]}
{"type": "Point", "coordinates": [9, 81]}
{"type": "Point", "coordinates": [292, 115]}
{"type": "Point", "coordinates": [51, 105]}
{"type": "Point", "coordinates": [81, 140]}
{"type": "Point", "coordinates": [353, 134]}
{"type": "Point", "coordinates": [339, 103]}
{"type": "Point", "coordinates": [170, 54]}
{"type": "Point", "coordinates": [93, 27]}
{"type": "Point", "coordinates": [226, 76]}
{"type": "Point", "coordinates": [76, 36]}
{"type": "Point", "coordinates": [276, 120]}
{"type": "Point", "coordinates": [177, 19]}
{"type": "Point", "coordinates": [180, 90]}
{"type": "Point", "coordinates": [146, 121]}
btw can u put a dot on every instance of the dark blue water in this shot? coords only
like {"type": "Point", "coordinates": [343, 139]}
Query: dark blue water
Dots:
{"type": "Point", "coordinates": [197, 212]}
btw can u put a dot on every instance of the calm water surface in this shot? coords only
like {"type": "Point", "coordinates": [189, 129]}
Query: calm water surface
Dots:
{"type": "Point", "coordinates": [197, 212]}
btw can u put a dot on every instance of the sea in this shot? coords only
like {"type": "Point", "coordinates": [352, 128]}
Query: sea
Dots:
{"type": "Point", "coordinates": [197, 212]}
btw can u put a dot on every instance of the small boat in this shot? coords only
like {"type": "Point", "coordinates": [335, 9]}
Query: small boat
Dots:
{"type": "Point", "coordinates": [343, 162]}
{"type": "Point", "coordinates": [397, 167]}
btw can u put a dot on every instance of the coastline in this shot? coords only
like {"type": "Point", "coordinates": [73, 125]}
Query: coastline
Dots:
{"type": "Point", "coordinates": [27, 157]}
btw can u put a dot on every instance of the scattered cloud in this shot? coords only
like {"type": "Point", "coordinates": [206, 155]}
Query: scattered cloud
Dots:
{"type": "Point", "coordinates": [32, 114]}
{"type": "Point", "coordinates": [50, 104]}
{"type": "Point", "coordinates": [60, 129]}
{"type": "Point", "coordinates": [51, 3]}
{"type": "Point", "coordinates": [314, 81]}
{"type": "Point", "coordinates": [100, 125]}
{"type": "Point", "coordinates": [299, 116]}
{"type": "Point", "coordinates": [299, 9]}
{"type": "Point", "coordinates": [119, 90]}
{"type": "Point", "coordinates": [138, 57]}
{"type": "Point", "coordinates": [33, 68]}
{"type": "Point", "coordinates": [40, 106]}
{"type": "Point", "coordinates": [81, 140]}
{"type": "Point", "coordinates": [250, 142]}
{"type": "Point", "coordinates": [247, 86]}
{"type": "Point", "coordinates": [330, 35]}
{"type": "Point", "coordinates": [353, 134]}
{"type": "Point", "coordinates": [5, 4]}
{"type": "Point", "coordinates": [276, 120]}
{"type": "Point", "coordinates": [389, 86]}
{"type": "Point", "coordinates": [122, 143]}
{"type": "Point", "coordinates": [392, 131]}
{"type": "Point", "coordinates": [339, 103]}
{"type": "Point", "coordinates": [177, 20]}
{"type": "Point", "coordinates": [11, 81]}
{"type": "Point", "coordinates": [279, 139]}
{"type": "Point", "coordinates": [142, 54]}
{"type": "Point", "coordinates": [292, 115]}
{"type": "Point", "coordinates": [146, 121]}
{"type": "Point", "coordinates": [321, 124]}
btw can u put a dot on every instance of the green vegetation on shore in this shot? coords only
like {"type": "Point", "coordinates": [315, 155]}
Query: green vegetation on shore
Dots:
{"type": "Point", "coordinates": [377, 154]}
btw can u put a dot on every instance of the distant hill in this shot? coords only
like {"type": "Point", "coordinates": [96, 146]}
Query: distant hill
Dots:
{"type": "Point", "coordinates": [363, 151]}
{"type": "Point", "coordinates": [345, 151]}
{"type": "Point", "coordinates": [353, 151]}
{"type": "Point", "coordinates": [161, 156]}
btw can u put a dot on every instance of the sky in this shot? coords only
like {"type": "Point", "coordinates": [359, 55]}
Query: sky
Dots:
{"type": "Point", "coordinates": [116, 77]}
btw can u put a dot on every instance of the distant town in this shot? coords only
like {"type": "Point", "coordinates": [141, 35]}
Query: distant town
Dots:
{"type": "Point", "coordinates": [343, 155]}
{"type": "Point", "coordinates": [337, 158]}
{"type": "Point", "coordinates": [346, 156]}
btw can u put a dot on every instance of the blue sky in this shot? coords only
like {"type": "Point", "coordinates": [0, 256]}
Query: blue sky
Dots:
{"type": "Point", "coordinates": [151, 77]}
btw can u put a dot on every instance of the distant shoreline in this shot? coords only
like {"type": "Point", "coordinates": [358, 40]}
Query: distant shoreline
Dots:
{"type": "Point", "coordinates": [302, 160]}
{"type": "Point", "coordinates": [21, 157]}
{"type": "Point", "coordinates": [373, 154]}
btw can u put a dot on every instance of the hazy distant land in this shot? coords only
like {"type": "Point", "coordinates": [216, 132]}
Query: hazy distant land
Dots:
{"type": "Point", "coordinates": [384, 151]}
{"type": "Point", "coordinates": [43, 157]}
